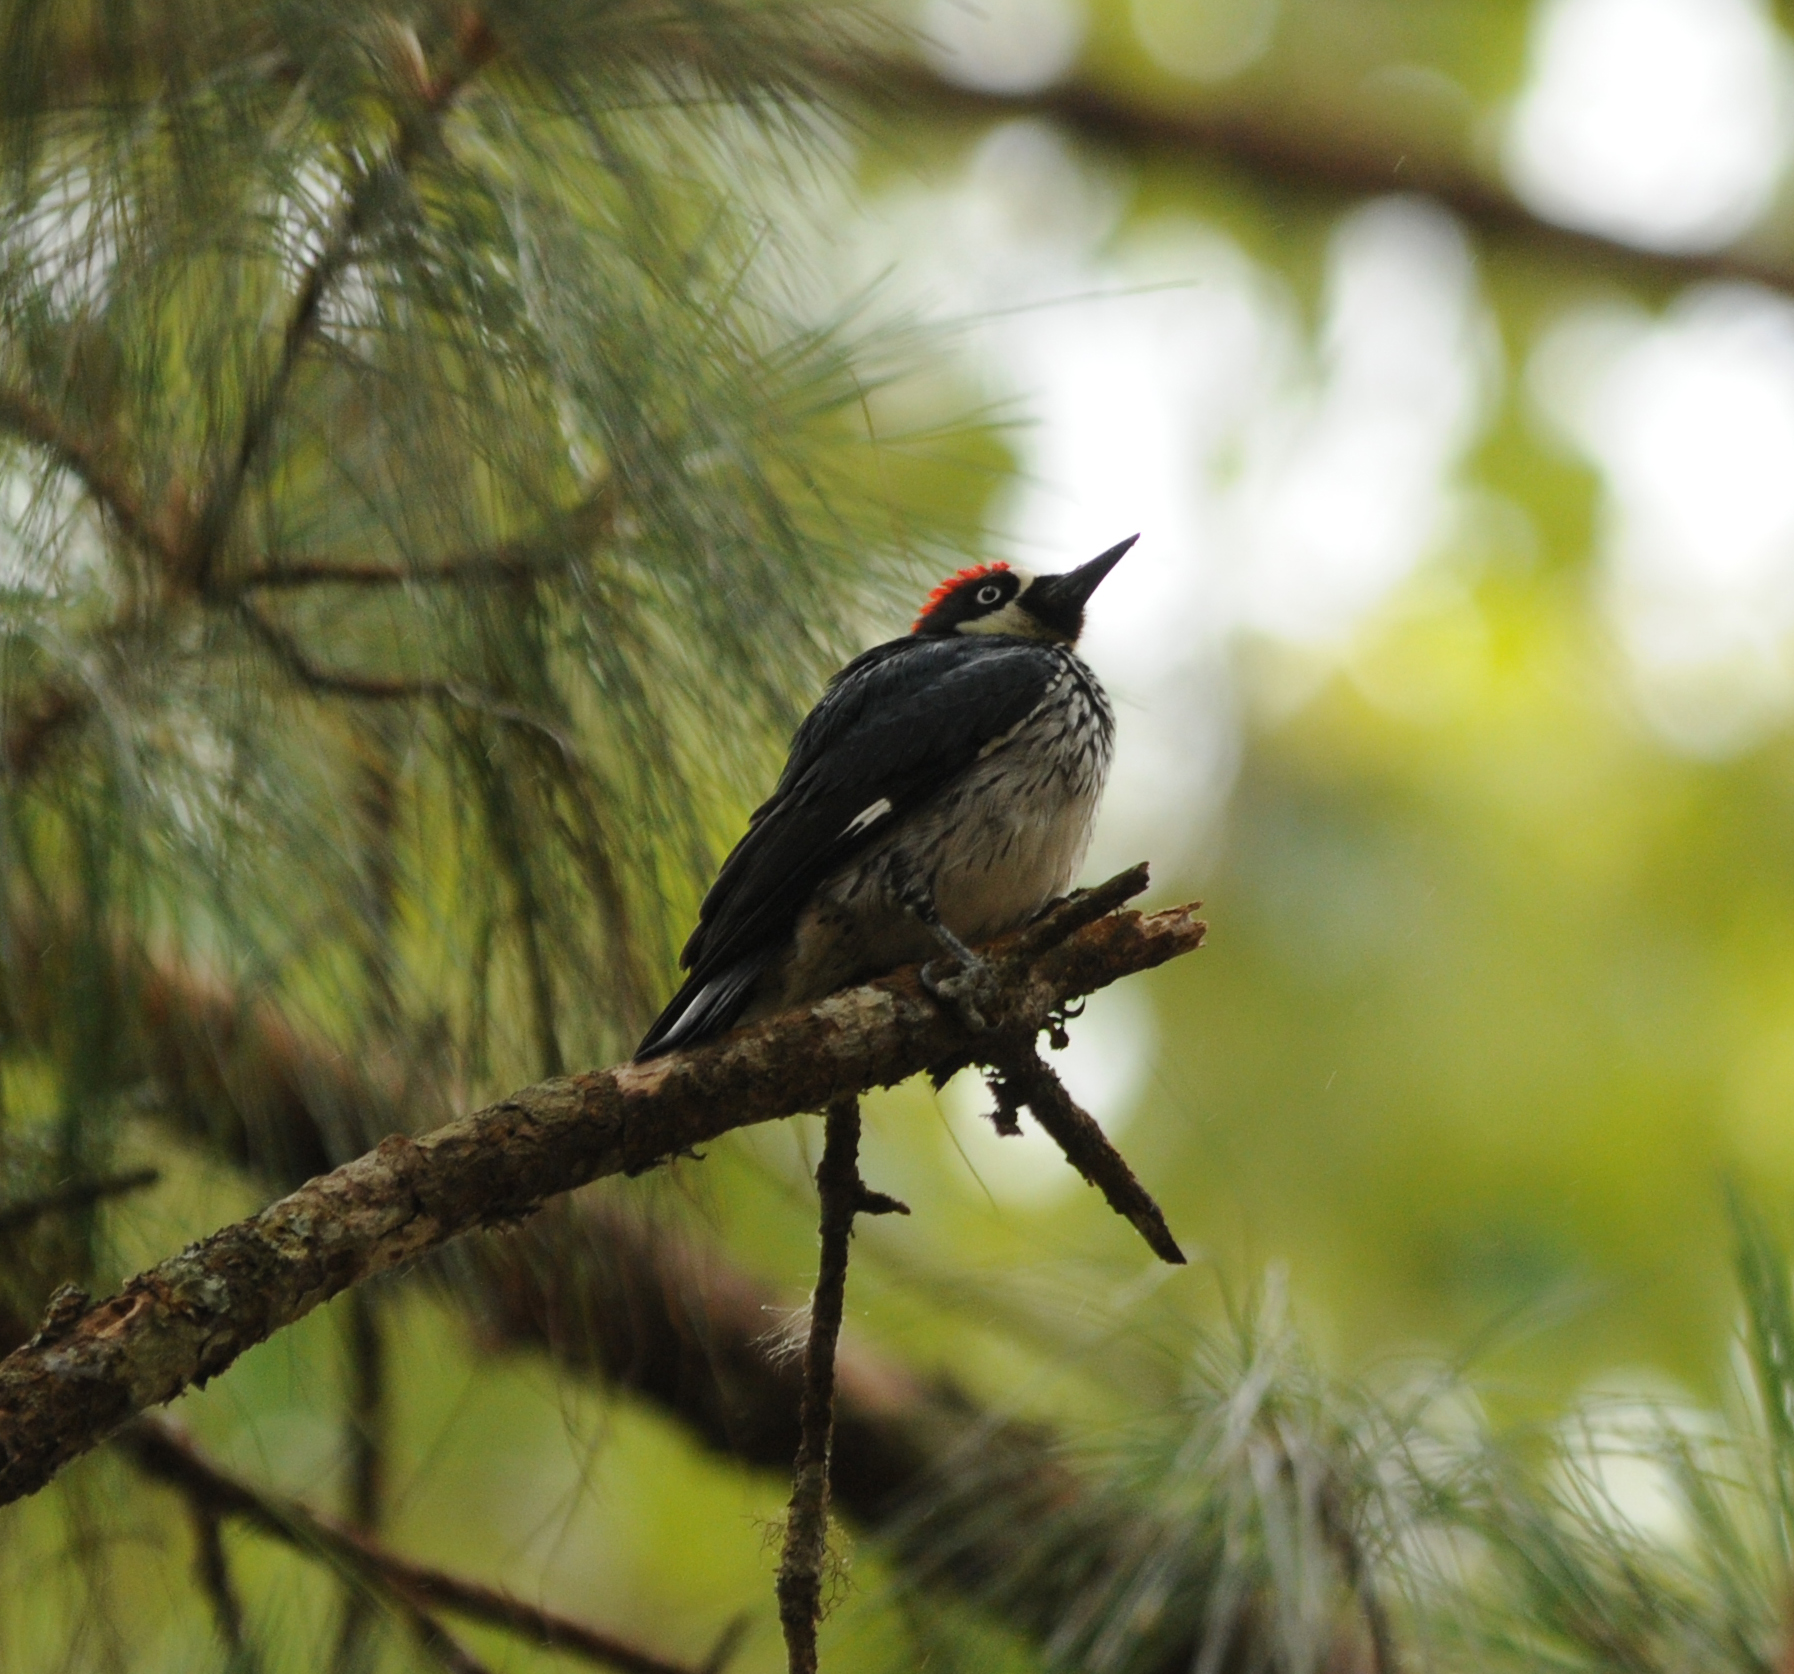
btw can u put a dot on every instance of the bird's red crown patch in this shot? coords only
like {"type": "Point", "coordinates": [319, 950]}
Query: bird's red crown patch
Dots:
{"type": "Point", "coordinates": [950, 586]}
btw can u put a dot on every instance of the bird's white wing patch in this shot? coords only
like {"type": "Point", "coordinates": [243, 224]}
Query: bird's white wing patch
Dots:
{"type": "Point", "coordinates": [868, 816]}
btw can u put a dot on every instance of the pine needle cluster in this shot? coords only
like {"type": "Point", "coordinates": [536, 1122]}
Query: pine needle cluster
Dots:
{"type": "Point", "coordinates": [422, 498]}
{"type": "Point", "coordinates": [1271, 1517]}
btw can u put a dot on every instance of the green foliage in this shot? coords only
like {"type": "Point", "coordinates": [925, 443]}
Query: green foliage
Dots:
{"type": "Point", "coordinates": [1273, 1517]}
{"type": "Point", "coordinates": [423, 497]}
{"type": "Point", "coordinates": [1649, 1535]}
{"type": "Point", "coordinates": [1243, 1523]}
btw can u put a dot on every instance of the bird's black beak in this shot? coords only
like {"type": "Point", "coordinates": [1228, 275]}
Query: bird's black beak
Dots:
{"type": "Point", "coordinates": [1058, 601]}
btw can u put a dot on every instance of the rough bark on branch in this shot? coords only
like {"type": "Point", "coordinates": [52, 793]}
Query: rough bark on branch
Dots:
{"type": "Point", "coordinates": [187, 1319]}
{"type": "Point", "coordinates": [1021, 1077]}
{"type": "Point", "coordinates": [844, 1195]}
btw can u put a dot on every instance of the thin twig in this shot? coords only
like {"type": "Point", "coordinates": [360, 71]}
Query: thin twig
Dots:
{"type": "Point", "coordinates": [1083, 906]}
{"type": "Point", "coordinates": [366, 1425]}
{"type": "Point", "coordinates": [381, 688]}
{"type": "Point", "coordinates": [377, 688]}
{"type": "Point", "coordinates": [366, 1412]}
{"type": "Point", "coordinates": [844, 1194]}
{"type": "Point", "coordinates": [1022, 1077]}
{"type": "Point", "coordinates": [799, 1585]}
{"type": "Point", "coordinates": [436, 1640]}
{"type": "Point", "coordinates": [510, 563]}
{"type": "Point", "coordinates": [161, 1452]}
{"type": "Point", "coordinates": [1376, 1621]}
{"type": "Point", "coordinates": [213, 1569]}
{"type": "Point", "coordinates": [514, 855]}
{"type": "Point", "coordinates": [728, 1643]}
{"type": "Point", "coordinates": [1360, 1576]}
{"type": "Point", "coordinates": [87, 461]}
{"type": "Point", "coordinates": [73, 1194]}
{"type": "Point", "coordinates": [450, 572]}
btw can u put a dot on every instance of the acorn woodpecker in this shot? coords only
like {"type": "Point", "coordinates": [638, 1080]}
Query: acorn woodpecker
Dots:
{"type": "Point", "coordinates": [941, 792]}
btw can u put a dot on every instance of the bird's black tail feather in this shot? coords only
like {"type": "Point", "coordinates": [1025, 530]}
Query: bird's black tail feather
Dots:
{"type": "Point", "coordinates": [704, 1007]}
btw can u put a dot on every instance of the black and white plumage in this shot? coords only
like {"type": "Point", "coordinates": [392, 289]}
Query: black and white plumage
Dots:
{"type": "Point", "coordinates": [950, 776]}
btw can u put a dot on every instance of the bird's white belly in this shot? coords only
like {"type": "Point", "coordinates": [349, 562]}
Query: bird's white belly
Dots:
{"type": "Point", "coordinates": [1003, 850]}
{"type": "Point", "coordinates": [1008, 838]}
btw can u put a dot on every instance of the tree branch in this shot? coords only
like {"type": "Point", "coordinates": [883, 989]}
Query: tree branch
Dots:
{"type": "Point", "coordinates": [382, 688]}
{"type": "Point", "coordinates": [434, 1638]}
{"type": "Point", "coordinates": [73, 1194]}
{"type": "Point", "coordinates": [226, 1070]}
{"type": "Point", "coordinates": [490, 571]}
{"type": "Point", "coordinates": [1022, 1078]}
{"type": "Point", "coordinates": [367, 1421]}
{"type": "Point", "coordinates": [87, 461]}
{"type": "Point", "coordinates": [844, 1195]}
{"type": "Point", "coordinates": [50, 712]}
{"type": "Point", "coordinates": [1306, 152]}
{"type": "Point", "coordinates": [510, 563]}
{"type": "Point", "coordinates": [188, 1318]}
{"type": "Point", "coordinates": [376, 688]}
{"type": "Point", "coordinates": [956, 1493]}
{"type": "Point", "coordinates": [162, 1453]}
{"type": "Point", "coordinates": [212, 1568]}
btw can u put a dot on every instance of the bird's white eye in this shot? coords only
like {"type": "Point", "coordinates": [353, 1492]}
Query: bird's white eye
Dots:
{"type": "Point", "coordinates": [989, 593]}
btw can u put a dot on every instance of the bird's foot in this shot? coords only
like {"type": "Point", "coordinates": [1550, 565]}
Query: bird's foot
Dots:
{"type": "Point", "coordinates": [1057, 1018]}
{"type": "Point", "coordinates": [969, 988]}
{"type": "Point", "coordinates": [969, 992]}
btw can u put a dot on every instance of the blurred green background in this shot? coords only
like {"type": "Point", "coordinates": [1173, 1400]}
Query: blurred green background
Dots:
{"type": "Point", "coordinates": [1453, 661]}
{"type": "Point", "coordinates": [1442, 351]}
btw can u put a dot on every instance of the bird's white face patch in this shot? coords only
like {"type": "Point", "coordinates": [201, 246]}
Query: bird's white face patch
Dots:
{"type": "Point", "coordinates": [1012, 619]}
{"type": "Point", "coordinates": [867, 817]}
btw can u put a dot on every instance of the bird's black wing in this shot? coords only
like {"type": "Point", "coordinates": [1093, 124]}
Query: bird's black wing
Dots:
{"type": "Point", "coordinates": [895, 726]}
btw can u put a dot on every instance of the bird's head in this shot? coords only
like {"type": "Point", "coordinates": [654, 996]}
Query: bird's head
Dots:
{"type": "Point", "coordinates": [997, 599]}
